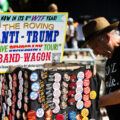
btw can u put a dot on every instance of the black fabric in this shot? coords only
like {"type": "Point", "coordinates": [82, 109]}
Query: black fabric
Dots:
{"type": "Point", "coordinates": [112, 82]}
{"type": "Point", "coordinates": [95, 85]}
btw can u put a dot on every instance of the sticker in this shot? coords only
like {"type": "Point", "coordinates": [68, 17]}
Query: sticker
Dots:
{"type": "Point", "coordinates": [71, 92]}
{"type": "Point", "coordinates": [6, 118]}
{"type": "Point", "coordinates": [33, 95]}
{"type": "Point", "coordinates": [26, 99]}
{"type": "Point", "coordinates": [57, 77]}
{"type": "Point", "coordinates": [64, 97]}
{"type": "Point", "coordinates": [85, 118]}
{"type": "Point", "coordinates": [19, 104]}
{"type": "Point", "coordinates": [86, 90]}
{"type": "Point", "coordinates": [66, 77]}
{"type": "Point", "coordinates": [71, 100]}
{"type": "Point", "coordinates": [80, 75]}
{"type": "Point", "coordinates": [72, 115]}
{"type": "Point", "coordinates": [26, 75]}
{"type": "Point", "coordinates": [59, 117]}
{"type": "Point", "coordinates": [93, 95]}
{"type": "Point", "coordinates": [64, 91]}
{"type": "Point", "coordinates": [48, 113]}
{"type": "Point", "coordinates": [34, 77]}
{"type": "Point", "coordinates": [63, 105]}
{"type": "Point", "coordinates": [20, 95]}
{"type": "Point", "coordinates": [40, 112]}
{"type": "Point", "coordinates": [85, 97]}
{"type": "Point", "coordinates": [88, 74]}
{"type": "Point", "coordinates": [9, 101]}
{"type": "Point", "coordinates": [56, 85]}
{"type": "Point", "coordinates": [64, 84]}
{"type": "Point", "coordinates": [31, 114]}
{"type": "Point", "coordinates": [10, 116]}
{"type": "Point", "coordinates": [13, 112]}
{"type": "Point", "coordinates": [25, 107]}
{"type": "Point", "coordinates": [86, 82]}
{"type": "Point", "coordinates": [14, 76]}
{"type": "Point", "coordinates": [78, 96]}
{"type": "Point", "coordinates": [56, 93]}
{"type": "Point", "coordinates": [85, 112]}
{"type": "Point", "coordinates": [79, 89]}
{"type": "Point", "coordinates": [87, 104]}
{"type": "Point", "coordinates": [18, 115]}
{"type": "Point", "coordinates": [79, 117]}
{"type": "Point", "coordinates": [72, 84]}
{"type": "Point", "coordinates": [56, 100]}
{"type": "Point", "coordinates": [35, 86]}
{"type": "Point", "coordinates": [56, 109]}
{"type": "Point", "coordinates": [24, 116]}
{"type": "Point", "coordinates": [79, 82]}
{"type": "Point", "coordinates": [79, 105]}
{"type": "Point", "coordinates": [20, 74]}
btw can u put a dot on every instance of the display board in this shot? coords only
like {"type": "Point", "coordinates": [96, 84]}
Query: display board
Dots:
{"type": "Point", "coordinates": [53, 94]}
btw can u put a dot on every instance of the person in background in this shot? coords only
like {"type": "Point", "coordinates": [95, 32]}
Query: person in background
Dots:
{"type": "Point", "coordinates": [69, 34]}
{"type": "Point", "coordinates": [104, 39]}
{"type": "Point", "coordinates": [79, 36]}
{"type": "Point", "coordinates": [53, 8]}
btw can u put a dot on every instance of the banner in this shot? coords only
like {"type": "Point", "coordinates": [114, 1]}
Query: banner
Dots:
{"type": "Point", "coordinates": [31, 39]}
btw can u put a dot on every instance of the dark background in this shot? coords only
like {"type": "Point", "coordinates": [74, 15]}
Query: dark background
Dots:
{"type": "Point", "coordinates": [94, 8]}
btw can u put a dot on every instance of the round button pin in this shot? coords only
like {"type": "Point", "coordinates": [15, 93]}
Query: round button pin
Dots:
{"type": "Point", "coordinates": [40, 112]}
{"type": "Point", "coordinates": [85, 118]}
{"type": "Point", "coordinates": [33, 95]}
{"type": "Point", "coordinates": [31, 114]}
{"type": "Point", "coordinates": [87, 104]}
{"type": "Point", "coordinates": [80, 75]}
{"type": "Point", "coordinates": [78, 96]}
{"type": "Point", "coordinates": [35, 86]}
{"type": "Point", "coordinates": [93, 95]}
{"type": "Point", "coordinates": [85, 112]}
{"type": "Point", "coordinates": [86, 82]}
{"type": "Point", "coordinates": [34, 77]}
{"type": "Point", "coordinates": [79, 105]}
{"type": "Point", "coordinates": [72, 115]}
{"type": "Point", "coordinates": [57, 77]}
{"type": "Point", "coordinates": [85, 97]}
{"type": "Point", "coordinates": [86, 90]}
{"type": "Point", "coordinates": [88, 74]}
{"type": "Point", "coordinates": [59, 117]}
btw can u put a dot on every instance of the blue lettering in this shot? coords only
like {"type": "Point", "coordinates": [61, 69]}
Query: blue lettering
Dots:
{"type": "Point", "coordinates": [12, 33]}
{"type": "Point", "coordinates": [4, 37]}
{"type": "Point", "coordinates": [29, 33]}
{"type": "Point", "coordinates": [35, 34]}
{"type": "Point", "coordinates": [49, 36]}
{"type": "Point", "coordinates": [42, 34]}
{"type": "Point", "coordinates": [56, 33]}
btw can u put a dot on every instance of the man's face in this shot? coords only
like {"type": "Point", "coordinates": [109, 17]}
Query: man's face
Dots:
{"type": "Point", "coordinates": [101, 46]}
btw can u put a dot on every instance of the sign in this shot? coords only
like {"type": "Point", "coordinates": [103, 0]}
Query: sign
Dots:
{"type": "Point", "coordinates": [31, 39]}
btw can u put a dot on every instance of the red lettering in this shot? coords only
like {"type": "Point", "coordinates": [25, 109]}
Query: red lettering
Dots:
{"type": "Point", "coordinates": [27, 57]}
{"type": "Point", "coordinates": [43, 56]}
{"type": "Point", "coordinates": [33, 57]}
{"type": "Point", "coordinates": [1, 58]}
{"type": "Point", "coordinates": [5, 58]}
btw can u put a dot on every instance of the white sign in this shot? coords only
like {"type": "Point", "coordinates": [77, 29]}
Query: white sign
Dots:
{"type": "Point", "coordinates": [31, 39]}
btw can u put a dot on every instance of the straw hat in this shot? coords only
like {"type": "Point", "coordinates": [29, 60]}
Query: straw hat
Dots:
{"type": "Point", "coordinates": [96, 26]}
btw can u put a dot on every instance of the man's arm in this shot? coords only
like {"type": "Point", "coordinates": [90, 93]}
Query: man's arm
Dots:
{"type": "Point", "coordinates": [110, 99]}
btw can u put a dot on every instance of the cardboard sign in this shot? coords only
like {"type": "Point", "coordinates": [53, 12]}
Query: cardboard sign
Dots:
{"type": "Point", "coordinates": [31, 39]}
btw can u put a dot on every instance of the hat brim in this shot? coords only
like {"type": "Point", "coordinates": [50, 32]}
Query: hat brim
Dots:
{"type": "Point", "coordinates": [107, 29]}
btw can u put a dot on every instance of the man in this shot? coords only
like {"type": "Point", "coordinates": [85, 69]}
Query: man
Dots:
{"type": "Point", "coordinates": [104, 39]}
